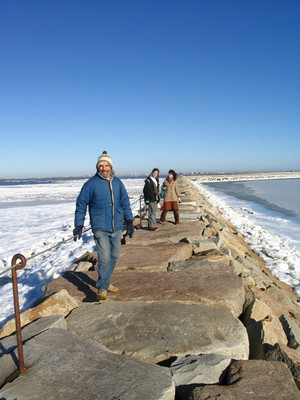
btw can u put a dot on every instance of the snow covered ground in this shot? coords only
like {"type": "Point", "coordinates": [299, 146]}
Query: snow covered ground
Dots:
{"type": "Point", "coordinates": [34, 218]}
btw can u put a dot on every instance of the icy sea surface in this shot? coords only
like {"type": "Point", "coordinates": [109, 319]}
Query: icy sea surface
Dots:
{"type": "Point", "coordinates": [267, 213]}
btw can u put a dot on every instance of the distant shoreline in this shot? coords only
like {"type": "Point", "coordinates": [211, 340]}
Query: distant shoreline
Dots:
{"type": "Point", "coordinates": [244, 176]}
{"type": "Point", "coordinates": [211, 177]}
{"type": "Point", "coordinates": [49, 178]}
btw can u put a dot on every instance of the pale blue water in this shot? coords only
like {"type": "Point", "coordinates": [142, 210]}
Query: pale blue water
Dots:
{"type": "Point", "coordinates": [270, 201]}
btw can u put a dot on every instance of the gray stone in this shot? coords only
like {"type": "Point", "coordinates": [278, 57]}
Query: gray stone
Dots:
{"type": "Point", "coordinates": [216, 283]}
{"type": "Point", "coordinates": [168, 233]}
{"type": "Point", "coordinates": [204, 369]}
{"type": "Point", "coordinates": [9, 360]}
{"type": "Point", "coordinates": [292, 331]}
{"type": "Point", "coordinates": [63, 366]}
{"type": "Point", "coordinates": [197, 263]}
{"type": "Point", "coordinates": [153, 257]}
{"type": "Point", "coordinates": [83, 266]}
{"type": "Point", "coordinates": [249, 380]}
{"type": "Point", "coordinates": [58, 303]}
{"type": "Point", "coordinates": [264, 333]}
{"type": "Point", "coordinates": [287, 355]}
{"type": "Point", "coordinates": [156, 331]}
{"type": "Point", "coordinates": [237, 266]}
{"type": "Point", "coordinates": [9, 343]}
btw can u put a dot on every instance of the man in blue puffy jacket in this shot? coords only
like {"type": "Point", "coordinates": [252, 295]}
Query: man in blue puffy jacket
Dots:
{"type": "Point", "coordinates": [107, 199]}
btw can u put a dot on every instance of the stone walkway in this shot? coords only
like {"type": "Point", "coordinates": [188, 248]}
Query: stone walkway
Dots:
{"type": "Point", "coordinates": [182, 317]}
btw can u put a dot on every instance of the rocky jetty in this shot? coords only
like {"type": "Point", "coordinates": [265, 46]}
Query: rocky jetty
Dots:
{"type": "Point", "coordinates": [197, 316]}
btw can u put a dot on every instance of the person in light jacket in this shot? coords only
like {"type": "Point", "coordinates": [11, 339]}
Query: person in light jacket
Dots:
{"type": "Point", "coordinates": [152, 198]}
{"type": "Point", "coordinates": [107, 199]}
{"type": "Point", "coordinates": [171, 197]}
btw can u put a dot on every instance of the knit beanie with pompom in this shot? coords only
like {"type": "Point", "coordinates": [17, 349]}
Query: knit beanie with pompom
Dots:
{"type": "Point", "coordinates": [104, 159]}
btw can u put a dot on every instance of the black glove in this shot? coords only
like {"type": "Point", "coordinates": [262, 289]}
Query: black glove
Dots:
{"type": "Point", "coordinates": [129, 229]}
{"type": "Point", "coordinates": [77, 232]}
{"type": "Point", "coordinates": [147, 201]}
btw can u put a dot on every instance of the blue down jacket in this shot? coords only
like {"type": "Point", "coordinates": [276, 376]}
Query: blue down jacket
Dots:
{"type": "Point", "coordinates": [108, 204]}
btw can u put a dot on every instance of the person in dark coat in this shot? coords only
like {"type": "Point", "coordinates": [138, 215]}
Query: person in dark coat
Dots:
{"type": "Point", "coordinates": [107, 200]}
{"type": "Point", "coordinates": [151, 197]}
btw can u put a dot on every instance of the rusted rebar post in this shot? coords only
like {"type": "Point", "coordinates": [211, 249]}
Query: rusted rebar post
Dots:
{"type": "Point", "coordinates": [15, 267]}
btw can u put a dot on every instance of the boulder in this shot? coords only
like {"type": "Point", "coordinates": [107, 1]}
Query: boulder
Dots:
{"type": "Point", "coordinates": [254, 379]}
{"type": "Point", "coordinates": [60, 365]}
{"type": "Point", "coordinates": [83, 266]}
{"type": "Point", "coordinates": [287, 355]}
{"type": "Point", "coordinates": [156, 331]}
{"type": "Point", "coordinates": [167, 233]}
{"type": "Point", "coordinates": [203, 369]}
{"type": "Point", "coordinates": [59, 303]}
{"type": "Point", "coordinates": [154, 257]}
{"type": "Point", "coordinates": [8, 360]}
{"type": "Point", "coordinates": [214, 256]}
{"type": "Point", "coordinates": [215, 286]}
{"type": "Point", "coordinates": [256, 311]}
{"type": "Point", "coordinates": [292, 331]}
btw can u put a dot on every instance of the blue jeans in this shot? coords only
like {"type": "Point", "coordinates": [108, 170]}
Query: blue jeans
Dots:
{"type": "Point", "coordinates": [108, 249]}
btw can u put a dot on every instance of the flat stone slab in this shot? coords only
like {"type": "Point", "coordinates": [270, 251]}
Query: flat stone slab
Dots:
{"type": "Point", "coordinates": [205, 369]}
{"type": "Point", "coordinates": [62, 365]}
{"type": "Point", "coordinates": [168, 233]}
{"type": "Point", "coordinates": [9, 343]}
{"type": "Point", "coordinates": [215, 286]}
{"type": "Point", "coordinates": [253, 379]}
{"type": "Point", "coordinates": [211, 284]}
{"type": "Point", "coordinates": [80, 285]}
{"type": "Point", "coordinates": [156, 331]}
{"type": "Point", "coordinates": [58, 303]}
{"type": "Point", "coordinates": [153, 257]}
{"type": "Point", "coordinates": [9, 362]}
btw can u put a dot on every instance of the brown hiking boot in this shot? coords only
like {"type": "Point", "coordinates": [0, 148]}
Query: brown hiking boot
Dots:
{"type": "Point", "coordinates": [101, 295]}
{"type": "Point", "coordinates": [112, 289]}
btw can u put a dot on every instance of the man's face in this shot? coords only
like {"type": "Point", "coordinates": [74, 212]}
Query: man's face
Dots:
{"type": "Point", "coordinates": [104, 169]}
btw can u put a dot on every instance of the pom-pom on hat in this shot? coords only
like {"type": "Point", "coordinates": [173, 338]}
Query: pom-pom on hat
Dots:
{"type": "Point", "coordinates": [104, 159]}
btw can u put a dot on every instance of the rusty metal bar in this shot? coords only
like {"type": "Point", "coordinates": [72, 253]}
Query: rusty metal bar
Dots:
{"type": "Point", "coordinates": [15, 267]}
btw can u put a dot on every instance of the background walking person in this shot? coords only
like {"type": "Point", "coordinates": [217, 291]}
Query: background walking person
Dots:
{"type": "Point", "coordinates": [152, 198]}
{"type": "Point", "coordinates": [171, 197]}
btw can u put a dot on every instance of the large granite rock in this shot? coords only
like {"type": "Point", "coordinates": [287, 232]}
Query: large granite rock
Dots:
{"type": "Point", "coordinates": [156, 331]}
{"type": "Point", "coordinates": [153, 257]}
{"type": "Point", "coordinates": [290, 357]}
{"type": "Point", "coordinates": [203, 369]}
{"type": "Point", "coordinates": [214, 283]}
{"type": "Point", "coordinates": [8, 361]}
{"type": "Point", "coordinates": [59, 303]}
{"type": "Point", "coordinates": [193, 282]}
{"type": "Point", "coordinates": [63, 366]}
{"type": "Point", "coordinates": [249, 380]}
{"type": "Point", "coordinates": [168, 233]}
{"type": "Point", "coordinates": [278, 300]}
{"type": "Point", "coordinates": [213, 286]}
{"type": "Point", "coordinates": [263, 328]}
{"type": "Point", "coordinates": [292, 331]}
{"type": "Point", "coordinates": [9, 343]}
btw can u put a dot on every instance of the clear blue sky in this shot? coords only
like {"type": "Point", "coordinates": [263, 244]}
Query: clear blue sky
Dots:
{"type": "Point", "coordinates": [192, 85]}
